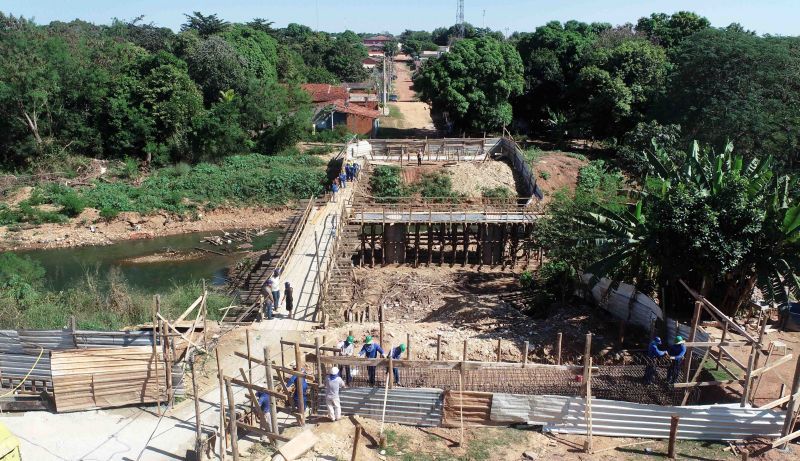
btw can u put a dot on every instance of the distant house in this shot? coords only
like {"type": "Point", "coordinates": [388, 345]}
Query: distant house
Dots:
{"type": "Point", "coordinates": [377, 41]}
{"type": "Point", "coordinates": [332, 108]}
{"type": "Point", "coordinates": [370, 63]}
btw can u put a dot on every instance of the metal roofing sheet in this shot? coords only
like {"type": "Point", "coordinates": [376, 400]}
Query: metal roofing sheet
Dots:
{"type": "Point", "coordinates": [418, 407]}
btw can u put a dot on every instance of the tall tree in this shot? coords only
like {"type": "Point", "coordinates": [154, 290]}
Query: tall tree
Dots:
{"type": "Point", "coordinates": [670, 30]}
{"type": "Point", "coordinates": [472, 84]}
{"type": "Point", "coordinates": [206, 26]}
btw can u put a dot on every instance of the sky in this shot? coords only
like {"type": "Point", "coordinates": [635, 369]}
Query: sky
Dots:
{"type": "Point", "coordinates": [777, 17]}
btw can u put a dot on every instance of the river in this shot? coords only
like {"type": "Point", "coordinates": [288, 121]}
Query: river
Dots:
{"type": "Point", "coordinates": [67, 266]}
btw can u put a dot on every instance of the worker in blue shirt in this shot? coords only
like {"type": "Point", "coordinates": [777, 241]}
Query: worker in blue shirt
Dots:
{"type": "Point", "coordinates": [343, 179]}
{"type": "Point", "coordinates": [304, 384]}
{"type": "Point", "coordinates": [371, 350]}
{"type": "Point", "coordinates": [676, 353]}
{"type": "Point", "coordinates": [654, 353]}
{"type": "Point", "coordinates": [396, 353]}
{"type": "Point", "coordinates": [263, 402]}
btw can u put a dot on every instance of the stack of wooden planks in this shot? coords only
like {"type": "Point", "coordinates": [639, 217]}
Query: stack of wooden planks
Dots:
{"type": "Point", "coordinates": [477, 407]}
{"type": "Point", "coordinates": [86, 379]}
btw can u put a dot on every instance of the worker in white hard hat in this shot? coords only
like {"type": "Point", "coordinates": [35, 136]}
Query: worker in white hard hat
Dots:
{"type": "Point", "coordinates": [332, 386]}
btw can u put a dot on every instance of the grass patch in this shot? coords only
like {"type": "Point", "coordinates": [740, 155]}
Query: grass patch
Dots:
{"type": "Point", "coordinates": [483, 446]}
{"type": "Point", "coordinates": [239, 180]}
{"type": "Point", "coordinates": [544, 175]}
{"type": "Point", "coordinates": [532, 154]}
{"type": "Point", "coordinates": [394, 112]}
{"type": "Point", "coordinates": [722, 375]}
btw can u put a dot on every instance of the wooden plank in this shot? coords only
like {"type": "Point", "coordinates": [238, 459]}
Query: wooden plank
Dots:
{"type": "Point", "coordinates": [774, 364]}
{"type": "Point", "coordinates": [788, 438]}
{"type": "Point", "coordinates": [709, 383]}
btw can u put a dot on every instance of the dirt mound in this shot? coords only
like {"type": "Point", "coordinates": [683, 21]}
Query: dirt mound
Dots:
{"type": "Point", "coordinates": [555, 171]}
{"type": "Point", "coordinates": [473, 178]}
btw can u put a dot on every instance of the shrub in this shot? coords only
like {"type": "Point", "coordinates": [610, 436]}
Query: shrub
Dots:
{"type": "Point", "coordinates": [71, 203]}
{"type": "Point", "coordinates": [386, 183]}
{"type": "Point", "coordinates": [439, 187]}
{"type": "Point", "coordinates": [497, 192]}
{"type": "Point", "coordinates": [544, 175]}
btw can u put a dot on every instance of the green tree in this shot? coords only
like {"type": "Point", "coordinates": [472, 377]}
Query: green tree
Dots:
{"type": "Point", "coordinates": [670, 30]}
{"type": "Point", "coordinates": [345, 57]}
{"type": "Point", "coordinates": [206, 26]}
{"type": "Point", "coordinates": [257, 48]}
{"type": "Point", "coordinates": [216, 66]}
{"type": "Point", "coordinates": [732, 85]}
{"type": "Point", "coordinates": [472, 84]}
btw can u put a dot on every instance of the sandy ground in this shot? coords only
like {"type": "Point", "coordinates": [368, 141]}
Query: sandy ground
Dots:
{"type": "Point", "coordinates": [128, 226]}
{"type": "Point", "coordinates": [416, 115]}
{"type": "Point", "coordinates": [561, 171]}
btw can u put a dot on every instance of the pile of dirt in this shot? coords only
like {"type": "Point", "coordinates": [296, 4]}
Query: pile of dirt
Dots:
{"type": "Point", "coordinates": [471, 178]}
{"type": "Point", "coordinates": [555, 171]}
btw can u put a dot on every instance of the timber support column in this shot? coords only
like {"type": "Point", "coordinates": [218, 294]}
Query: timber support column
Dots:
{"type": "Point", "coordinates": [394, 244]}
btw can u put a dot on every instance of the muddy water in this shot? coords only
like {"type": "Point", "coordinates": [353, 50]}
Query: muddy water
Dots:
{"type": "Point", "coordinates": [183, 264]}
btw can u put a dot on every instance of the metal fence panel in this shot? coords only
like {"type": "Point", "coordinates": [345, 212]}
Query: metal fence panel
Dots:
{"type": "Point", "coordinates": [416, 407]}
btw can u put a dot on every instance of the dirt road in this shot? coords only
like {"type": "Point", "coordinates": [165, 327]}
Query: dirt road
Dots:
{"type": "Point", "coordinates": [408, 113]}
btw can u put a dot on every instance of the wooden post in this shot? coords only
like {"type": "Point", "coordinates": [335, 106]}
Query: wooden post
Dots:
{"type": "Point", "coordinates": [356, 441]}
{"type": "Point", "coordinates": [319, 364]}
{"type": "Point", "coordinates": [204, 311]}
{"type": "Point", "coordinates": [587, 409]}
{"type": "Point", "coordinates": [232, 427]}
{"type": "Point", "coordinates": [525, 354]}
{"type": "Point", "coordinates": [167, 350]}
{"type": "Point", "coordinates": [673, 434]}
{"type": "Point", "coordinates": [155, 356]}
{"type": "Point", "coordinates": [380, 336]}
{"type": "Point", "coordinates": [430, 241]}
{"type": "Point", "coordinates": [722, 340]}
{"type": "Point", "coordinates": [298, 387]}
{"type": "Point", "coordinates": [408, 346]}
{"type": "Point", "coordinates": [438, 347]}
{"type": "Point", "coordinates": [416, 244]}
{"type": "Point", "coordinates": [464, 352]}
{"type": "Point", "coordinates": [791, 407]}
{"type": "Point", "coordinates": [461, 402]}
{"type": "Point", "coordinates": [223, 439]}
{"type": "Point", "coordinates": [466, 245]}
{"type": "Point", "coordinates": [372, 245]}
{"type": "Point", "coordinates": [558, 348]}
{"type": "Point", "coordinates": [250, 363]}
{"type": "Point", "coordinates": [687, 364]}
{"type": "Point", "coordinates": [197, 431]}
{"type": "Point", "coordinates": [390, 373]}
{"type": "Point", "coordinates": [499, 343]}
{"type": "Point", "coordinates": [587, 353]}
{"type": "Point", "coordinates": [748, 376]}
{"type": "Point", "coordinates": [273, 411]}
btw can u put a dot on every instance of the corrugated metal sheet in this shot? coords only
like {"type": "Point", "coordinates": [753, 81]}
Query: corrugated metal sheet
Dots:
{"type": "Point", "coordinates": [91, 339]}
{"type": "Point", "coordinates": [642, 311]}
{"type": "Point", "coordinates": [625, 419]}
{"type": "Point", "coordinates": [416, 407]}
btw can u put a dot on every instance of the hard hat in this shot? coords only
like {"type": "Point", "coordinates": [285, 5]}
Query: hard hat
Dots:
{"type": "Point", "coordinates": [403, 347]}
{"type": "Point", "coordinates": [368, 339]}
{"type": "Point", "coordinates": [679, 339]}
{"type": "Point", "coordinates": [657, 339]}
{"type": "Point", "coordinates": [334, 371]}
{"type": "Point", "coordinates": [351, 339]}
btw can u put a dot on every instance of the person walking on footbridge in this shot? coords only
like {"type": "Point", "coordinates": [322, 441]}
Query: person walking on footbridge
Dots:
{"type": "Point", "coordinates": [371, 351]}
{"type": "Point", "coordinates": [396, 354]}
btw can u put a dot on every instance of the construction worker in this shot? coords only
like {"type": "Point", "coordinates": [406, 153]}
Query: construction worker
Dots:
{"type": "Point", "coordinates": [263, 402]}
{"type": "Point", "coordinates": [676, 353]}
{"type": "Point", "coordinates": [332, 386]}
{"type": "Point", "coordinates": [654, 352]}
{"type": "Point", "coordinates": [293, 381]}
{"type": "Point", "coordinates": [288, 293]}
{"type": "Point", "coordinates": [334, 189]}
{"type": "Point", "coordinates": [396, 353]}
{"type": "Point", "coordinates": [343, 180]}
{"type": "Point", "coordinates": [275, 283]}
{"type": "Point", "coordinates": [371, 351]}
{"type": "Point", "coordinates": [267, 301]}
{"type": "Point", "coordinates": [419, 157]}
{"type": "Point", "coordinates": [347, 349]}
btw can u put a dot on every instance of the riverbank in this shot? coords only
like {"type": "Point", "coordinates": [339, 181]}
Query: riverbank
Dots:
{"type": "Point", "coordinates": [88, 229]}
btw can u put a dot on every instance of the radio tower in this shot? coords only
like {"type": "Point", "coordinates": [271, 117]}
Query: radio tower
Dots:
{"type": "Point", "coordinates": [460, 18]}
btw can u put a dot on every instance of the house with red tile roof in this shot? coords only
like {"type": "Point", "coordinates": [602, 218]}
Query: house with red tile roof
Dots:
{"type": "Point", "coordinates": [332, 108]}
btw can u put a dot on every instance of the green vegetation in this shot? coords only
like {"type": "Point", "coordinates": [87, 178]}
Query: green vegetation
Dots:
{"type": "Point", "coordinates": [386, 183]}
{"type": "Point", "coordinates": [133, 90]}
{"type": "Point", "coordinates": [437, 187]}
{"type": "Point", "coordinates": [98, 302]}
{"type": "Point", "coordinates": [473, 83]}
{"type": "Point", "coordinates": [237, 180]}
{"type": "Point", "coordinates": [499, 192]}
{"type": "Point", "coordinates": [544, 175]}
{"type": "Point", "coordinates": [481, 446]}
